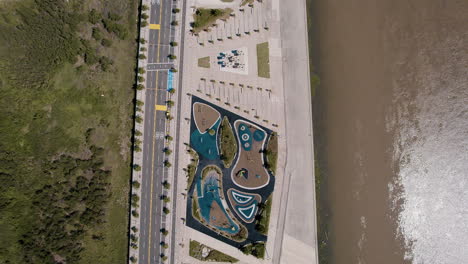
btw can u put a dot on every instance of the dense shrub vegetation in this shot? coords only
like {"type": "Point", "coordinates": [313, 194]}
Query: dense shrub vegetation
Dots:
{"type": "Point", "coordinates": [65, 127]}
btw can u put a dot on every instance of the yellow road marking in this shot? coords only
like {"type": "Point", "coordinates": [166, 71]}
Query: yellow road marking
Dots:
{"type": "Point", "coordinates": [161, 108]}
{"type": "Point", "coordinates": [154, 26]}
{"type": "Point", "coordinates": [154, 138]}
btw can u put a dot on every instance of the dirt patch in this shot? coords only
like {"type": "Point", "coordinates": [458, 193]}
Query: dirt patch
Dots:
{"type": "Point", "coordinates": [249, 172]}
{"type": "Point", "coordinates": [205, 116]}
{"type": "Point", "coordinates": [217, 216]}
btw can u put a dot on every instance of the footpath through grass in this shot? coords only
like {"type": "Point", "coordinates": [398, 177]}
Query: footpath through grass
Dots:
{"type": "Point", "coordinates": [263, 60]}
{"type": "Point", "coordinates": [196, 249]}
{"type": "Point", "coordinates": [66, 78]}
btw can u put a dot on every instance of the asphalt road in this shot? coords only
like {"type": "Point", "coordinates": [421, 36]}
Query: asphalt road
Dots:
{"type": "Point", "coordinates": [154, 173]}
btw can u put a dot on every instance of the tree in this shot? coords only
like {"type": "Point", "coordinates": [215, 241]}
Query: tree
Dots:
{"type": "Point", "coordinates": [172, 56]}
{"type": "Point", "coordinates": [142, 49]}
{"type": "Point", "coordinates": [141, 56]}
{"type": "Point", "coordinates": [140, 86]}
{"type": "Point", "coordinates": [137, 167]}
{"type": "Point", "coordinates": [139, 102]}
{"type": "Point", "coordinates": [144, 16]}
{"type": "Point", "coordinates": [166, 210]}
{"type": "Point", "coordinates": [144, 23]}
{"type": "Point", "coordinates": [164, 244]}
{"type": "Point", "coordinates": [173, 69]}
{"type": "Point", "coordinates": [133, 259]}
{"type": "Point", "coordinates": [172, 91]}
{"type": "Point", "coordinates": [175, 10]}
{"type": "Point", "coordinates": [173, 43]}
{"type": "Point", "coordinates": [170, 103]}
{"type": "Point", "coordinates": [134, 229]}
{"type": "Point", "coordinates": [141, 79]}
{"type": "Point", "coordinates": [167, 151]}
{"type": "Point", "coordinates": [169, 138]}
{"type": "Point", "coordinates": [141, 70]}
{"type": "Point", "coordinates": [142, 40]}
{"type": "Point", "coordinates": [166, 199]}
{"type": "Point", "coordinates": [144, 8]}
{"type": "Point", "coordinates": [138, 119]}
{"type": "Point", "coordinates": [174, 23]}
{"type": "Point", "coordinates": [260, 228]}
{"type": "Point", "coordinates": [135, 213]}
{"type": "Point", "coordinates": [164, 231]}
{"type": "Point", "coordinates": [166, 185]}
{"type": "Point", "coordinates": [138, 133]}
{"type": "Point", "coordinates": [167, 164]}
{"type": "Point", "coordinates": [136, 184]}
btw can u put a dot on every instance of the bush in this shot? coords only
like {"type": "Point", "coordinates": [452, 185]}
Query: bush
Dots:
{"type": "Point", "coordinates": [105, 63]}
{"type": "Point", "coordinates": [96, 34]}
{"type": "Point", "coordinates": [140, 86]}
{"type": "Point", "coordinates": [118, 29]}
{"type": "Point", "coordinates": [135, 213]}
{"type": "Point", "coordinates": [106, 42]}
{"type": "Point", "coordinates": [114, 16]}
{"type": "Point", "coordinates": [94, 17]}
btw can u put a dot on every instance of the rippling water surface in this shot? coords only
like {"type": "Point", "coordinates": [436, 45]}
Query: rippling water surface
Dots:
{"type": "Point", "coordinates": [391, 129]}
{"type": "Point", "coordinates": [431, 149]}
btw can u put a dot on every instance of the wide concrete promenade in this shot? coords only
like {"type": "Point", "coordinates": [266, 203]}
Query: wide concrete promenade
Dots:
{"type": "Point", "coordinates": [300, 229]}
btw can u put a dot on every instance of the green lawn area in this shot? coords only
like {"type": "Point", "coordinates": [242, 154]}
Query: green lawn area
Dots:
{"type": "Point", "coordinates": [204, 18]}
{"type": "Point", "coordinates": [228, 143]}
{"type": "Point", "coordinates": [272, 153]}
{"type": "Point", "coordinates": [263, 60]}
{"type": "Point", "coordinates": [255, 249]}
{"type": "Point", "coordinates": [192, 167]}
{"type": "Point", "coordinates": [65, 130]}
{"type": "Point", "coordinates": [264, 222]}
{"type": "Point", "coordinates": [204, 62]}
{"type": "Point", "coordinates": [214, 255]}
{"type": "Point", "coordinates": [245, 2]}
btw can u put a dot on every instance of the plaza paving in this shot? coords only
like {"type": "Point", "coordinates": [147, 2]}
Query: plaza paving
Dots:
{"type": "Point", "coordinates": [261, 100]}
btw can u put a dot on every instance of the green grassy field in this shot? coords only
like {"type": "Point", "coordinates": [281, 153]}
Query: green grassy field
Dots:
{"type": "Point", "coordinates": [204, 62]}
{"type": "Point", "coordinates": [263, 60]}
{"type": "Point", "coordinates": [204, 18]}
{"type": "Point", "coordinates": [272, 153]}
{"type": "Point", "coordinates": [65, 129]}
{"type": "Point", "coordinates": [228, 143]}
{"type": "Point", "coordinates": [214, 255]}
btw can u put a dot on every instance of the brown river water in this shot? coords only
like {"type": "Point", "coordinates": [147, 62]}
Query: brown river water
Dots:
{"type": "Point", "coordinates": [391, 129]}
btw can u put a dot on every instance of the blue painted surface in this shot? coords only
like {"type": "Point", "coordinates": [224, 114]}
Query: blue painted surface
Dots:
{"type": "Point", "coordinates": [205, 144]}
{"type": "Point", "coordinates": [258, 135]}
{"type": "Point", "coordinates": [207, 194]}
{"type": "Point", "coordinates": [245, 136]}
{"type": "Point", "coordinates": [170, 77]}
